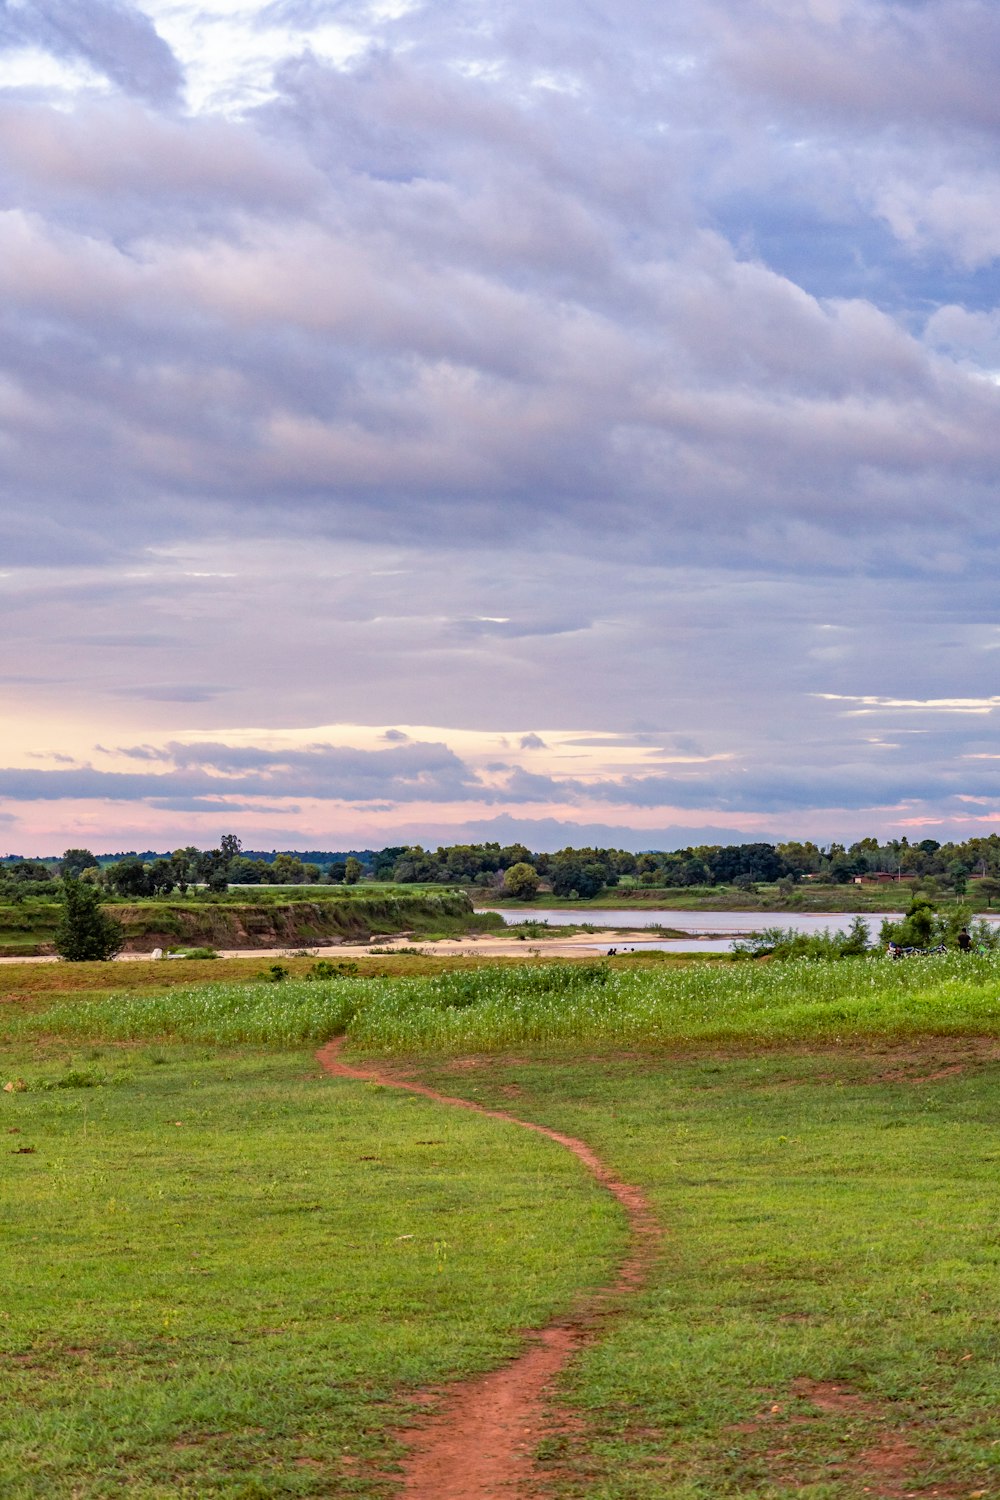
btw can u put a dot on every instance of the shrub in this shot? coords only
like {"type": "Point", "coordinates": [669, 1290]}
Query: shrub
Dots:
{"type": "Point", "coordinates": [86, 934]}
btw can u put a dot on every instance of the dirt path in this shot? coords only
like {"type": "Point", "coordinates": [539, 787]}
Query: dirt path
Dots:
{"type": "Point", "coordinates": [478, 1445]}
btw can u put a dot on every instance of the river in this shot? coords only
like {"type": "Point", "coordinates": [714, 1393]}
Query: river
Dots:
{"type": "Point", "coordinates": [700, 924]}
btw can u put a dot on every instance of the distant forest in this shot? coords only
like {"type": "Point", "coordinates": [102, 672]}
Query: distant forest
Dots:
{"type": "Point", "coordinates": [513, 867]}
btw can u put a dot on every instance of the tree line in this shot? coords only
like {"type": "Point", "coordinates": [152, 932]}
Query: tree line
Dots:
{"type": "Point", "coordinates": [511, 868]}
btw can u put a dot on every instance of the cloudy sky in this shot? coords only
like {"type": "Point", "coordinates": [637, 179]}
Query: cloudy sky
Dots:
{"type": "Point", "coordinates": [428, 421]}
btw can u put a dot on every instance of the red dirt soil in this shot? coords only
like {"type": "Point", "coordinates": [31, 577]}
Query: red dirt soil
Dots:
{"type": "Point", "coordinates": [479, 1443]}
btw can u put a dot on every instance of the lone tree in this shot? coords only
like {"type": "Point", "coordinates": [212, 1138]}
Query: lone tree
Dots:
{"type": "Point", "coordinates": [75, 861]}
{"type": "Point", "coordinates": [86, 934]}
{"type": "Point", "coordinates": [521, 881]}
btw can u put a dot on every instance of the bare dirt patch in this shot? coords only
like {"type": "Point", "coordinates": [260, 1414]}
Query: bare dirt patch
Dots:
{"type": "Point", "coordinates": [881, 1456]}
{"type": "Point", "coordinates": [479, 1441]}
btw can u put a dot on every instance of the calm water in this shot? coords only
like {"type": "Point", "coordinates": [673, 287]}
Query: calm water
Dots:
{"type": "Point", "coordinates": [696, 921]}
{"type": "Point", "coordinates": [700, 924]}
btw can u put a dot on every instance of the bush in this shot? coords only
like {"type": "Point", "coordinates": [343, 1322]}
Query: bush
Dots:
{"type": "Point", "coordinates": [86, 934]}
{"type": "Point", "coordinates": [323, 968]}
{"type": "Point", "coordinates": [777, 942]}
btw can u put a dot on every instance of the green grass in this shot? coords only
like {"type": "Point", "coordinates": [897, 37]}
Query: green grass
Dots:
{"type": "Point", "coordinates": [831, 1217]}
{"type": "Point", "coordinates": [601, 1005]}
{"type": "Point", "coordinates": [495, 1007]}
{"type": "Point", "coordinates": [222, 1273]}
{"type": "Point", "coordinates": [820, 1141]}
{"type": "Point", "coordinates": [29, 983]}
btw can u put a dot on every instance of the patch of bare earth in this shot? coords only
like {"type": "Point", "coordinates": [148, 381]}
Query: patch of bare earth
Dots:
{"type": "Point", "coordinates": [480, 1438]}
{"type": "Point", "coordinates": [874, 1454]}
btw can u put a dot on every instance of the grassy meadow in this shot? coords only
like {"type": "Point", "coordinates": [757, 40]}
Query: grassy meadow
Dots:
{"type": "Point", "coordinates": [822, 1322]}
{"type": "Point", "coordinates": [226, 1274]}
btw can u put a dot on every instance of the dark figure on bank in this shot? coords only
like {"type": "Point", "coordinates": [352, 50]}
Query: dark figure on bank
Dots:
{"type": "Point", "coordinates": [964, 941]}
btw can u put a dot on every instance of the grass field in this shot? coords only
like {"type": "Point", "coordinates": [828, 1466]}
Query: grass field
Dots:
{"type": "Point", "coordinates": [222, 1274]}
{"type": "Point", "coordinates": [823, 1321]}
{"type": "Point", "coordinates": [227, 1275]}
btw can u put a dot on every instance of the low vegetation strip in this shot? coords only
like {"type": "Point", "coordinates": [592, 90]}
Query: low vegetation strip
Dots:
{"type": "Point", "coordinates": [595, 1005]}
{"type": "Point", "coordinates": [573, 1005]}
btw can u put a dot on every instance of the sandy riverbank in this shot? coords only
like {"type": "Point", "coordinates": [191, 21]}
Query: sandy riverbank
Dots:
{"type": "Point", "coordinates": [576, 944]}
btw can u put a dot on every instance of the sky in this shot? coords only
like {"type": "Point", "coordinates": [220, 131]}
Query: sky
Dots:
{"type": "Point", "coordinates": [423, 422]}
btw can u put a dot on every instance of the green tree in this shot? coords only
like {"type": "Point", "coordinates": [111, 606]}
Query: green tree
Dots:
{"type": "Point", "coordinates": [521, 881]}
{"type": "Point", "coordinates": [129, 877]}
{"type": "Point", "coordinates": [86, 934]}
{"type": "Point", "coordinates": [29, 869]}
{"type": "Point", "coordinates": [288, 869]}
{"type": "Point", "coordinates": [75, 861]}
{"type": "Point", "coordinates": [213, 868]}
{"type": "Point", "coordinates": [353, 870]}
{"type": "Point", "coordinates": [385, 860]}
{"type": "Point", "coordinates": [161, 877]}
{"type": "Point", "coordinates": [571, 877]}
{"type": "Point", "coordinates": [229, 847]}
{"type": "Point", "coordinates": [918, 927]}
{"type": "Point", "coordinates": [184, 863]}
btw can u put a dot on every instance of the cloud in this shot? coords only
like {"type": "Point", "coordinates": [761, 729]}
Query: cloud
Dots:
{"type": "Point", "coordinates": [554, 368]}
{"type": "Point", "coordinates": [867, 61]}
{"type": "Point", "coordinates": [167, 692]}
{"type": "Point", "coordinates": [405, 773]}
{"type": "Point", "coordinates": [866, 704]}
{"type": "Point", "coordinates": [398, 286]}
{"type": "Point", "coordinates": [115, 38]}
{"type": "Point", "coordinates": [532, 742]}
{"type": "Point", "coordinates": [551, 834]}
{"type": "Point", "coordinates": [516, 629]}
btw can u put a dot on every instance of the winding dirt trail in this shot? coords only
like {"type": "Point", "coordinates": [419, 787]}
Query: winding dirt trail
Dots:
{"type": "Point", "coordinates": [478, 1444]}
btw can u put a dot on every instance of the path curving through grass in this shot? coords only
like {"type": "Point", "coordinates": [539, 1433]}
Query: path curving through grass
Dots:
{"type": "Point", "coordinates": [480, 1441]}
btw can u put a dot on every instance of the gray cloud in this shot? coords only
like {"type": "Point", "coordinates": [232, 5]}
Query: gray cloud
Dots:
{"type": "Point", "coordinates": [192, 772]}
{"type": "Point", "coordinates": [397, 285]}
{"type": "Point", "coordinates": [552, 367]}
{"type": "Point", "coordinates": [112, 36]}
{"type": "Point", "coordinates": [550, 834]}
{"type": "Point", "coordinates": [861, 62]}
